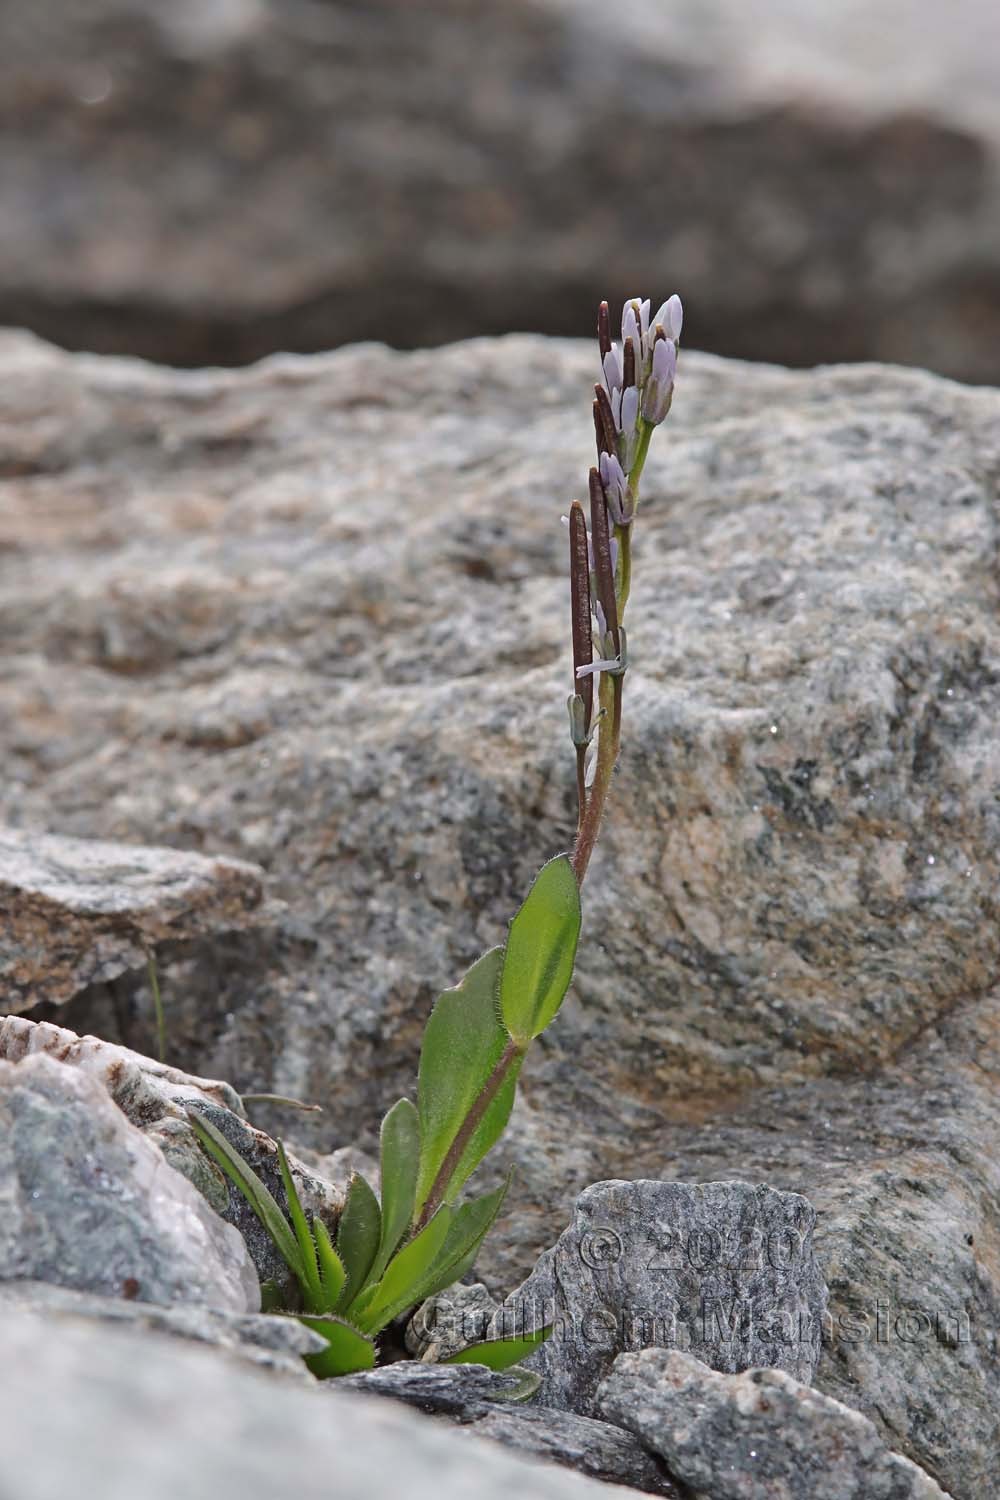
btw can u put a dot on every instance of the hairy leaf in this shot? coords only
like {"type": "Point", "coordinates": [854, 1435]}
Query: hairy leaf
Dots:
{"type": "Point", "coordinates": [463, 1041]}
{"type": "Point", "coordinates": [499, 1354]}
{"type": "Point", "coordinates": [540, 952]}
{"type": "Point", "coordinates": [400, 1138]}
{"type": "Point", "coordinates": [254, 1191]}
{"type": "Point", "coordinates": [358, 1235]}
{"type": "Point", "coordinates": [469, 1227]}
{"type": "Point", "coordinates": [404, 1275]}
{"type": "Point", "coordinates": [347, 1350]}
{"type": "Point", "coordinates": [331, 1268]}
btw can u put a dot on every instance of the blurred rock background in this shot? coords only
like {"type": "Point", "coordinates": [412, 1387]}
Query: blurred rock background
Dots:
{"type": "Point", "coordinates": [211, 180]}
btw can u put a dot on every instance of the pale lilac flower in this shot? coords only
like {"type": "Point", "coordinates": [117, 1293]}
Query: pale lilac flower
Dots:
{"type": "Point", "coordinates": [602, 624]}
{"type": "Point", "coordinates": [670, 318]}
{"type": "Point", "coordinates": [610, 664]}
{"type": "Point", "coordinates": [614, 374]}
{"type": "Point", "coordinates": [659, 388]}
{"type": "Point", "coordinates": [629, 426]}
{"type": "Point", "coordinates": [615, 488]}
{"type": "Point", "coordinates": [639, 327]}
{"type": "Point", "coordinates": [630, 330]}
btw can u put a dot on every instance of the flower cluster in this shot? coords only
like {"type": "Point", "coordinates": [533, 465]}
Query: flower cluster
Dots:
{"type": "Point", "coordinates": [632, 399]}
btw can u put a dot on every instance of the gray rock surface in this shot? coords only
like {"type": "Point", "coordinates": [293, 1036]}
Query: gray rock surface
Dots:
{"type": "Point", "coordinates": [87, 1412]}
{"type": "Point", "coordinates": [262, 1339]}
{"type": "Point", "coordinates": [216, 636]}
{"type": "Point", "coordinates": [463, 1391]}
{"type": "Point", "coordinates": [79, 912]}
{"type": "Point", "coordinates": [756, 1435]}
{"type": "Point", "coordinates": [155, 1098]}
{"type": "Point", "coordinates": [211, 181]}
{"type": "Point", "coordinates": [599, 1449]}
{"type": "Point", "coordinates": [87, 1202]}
{"type": "Point", "coordinates": [724, 1270]}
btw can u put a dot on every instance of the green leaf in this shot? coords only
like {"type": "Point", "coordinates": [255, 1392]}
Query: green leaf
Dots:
{"type": "Point", "coordinates": [469, 1227]}
{"type": "Point", "coordinates": [541, 949]}
{"type": "Point", "coordinates": [499, 1354]}
{"type": "Point", "coordinates": [347, 1349]}
{"type": "Point", "coordinates": [362, 1302]}
{"type": "Point", "coordinates": [270, 1297]}
{"type": "Point", "coordinates": [405, 1273]}
{"type": "Point", "coordinates": [463, 1040]}
{"type": "Point", "coordinates": [253, 1190]}
{"type": "Point", "coordinates": [333, 1276]}
{"type": "Point", "coordinates": [400, 1139]}
{"type": "Point", "coordinates": [358, 1235]}
{"type": "Point", "coordinates": [312, 1290]}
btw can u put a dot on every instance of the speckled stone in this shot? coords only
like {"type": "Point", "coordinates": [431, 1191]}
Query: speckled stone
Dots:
{"type": "Point", "coordinates": [78, 912]}
{"type": "Point", "coordinates": [754, 1436]}
{"type": "Point", "coordinates": [155, 1099]}
{"type": "Point", "coordinates": [122, 1412]}
{"type": "Point", "coordinates": [89, 1203]}
{"type": "Point", "coordinates": [724, 1270]}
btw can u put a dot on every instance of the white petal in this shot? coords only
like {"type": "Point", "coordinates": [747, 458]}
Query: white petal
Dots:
{"type": "Point", "coordinates": [598, 666]}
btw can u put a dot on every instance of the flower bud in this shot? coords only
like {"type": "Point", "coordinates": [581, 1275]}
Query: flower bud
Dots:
{"type": "Point", "coordinates": [628, 441]}
{"type": "Point", "coordinates": [670, 318]}
{"type": "Point", "coordinates": [659, 388]}
{"type": "Point", "coordinates": [616, 489]}
{"type": "Point", "coordinates": [578, 727]}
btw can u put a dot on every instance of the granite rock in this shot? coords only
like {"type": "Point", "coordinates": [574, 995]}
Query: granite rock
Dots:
{"type": "Point", "coordinates": [89, 1203]}
{"type": "Point", "coordinates": [472, 1396]}
{"type": "Point", "coordinates": [601, 1449]}
{"type": "Point", "coordinates": [803, 846]}
{"type": "Point", "coordinates": [155, 1099]}
{"type": "Point", "coordinates": [214, 635]}
{"type": "Point", "coordinates": [273, 1343]}
{"type": "Point", "coordinates": [208, 182]}
{"type": "Point", "coordinates": [724, 1270]}
{"type": "Point", "coordinates": [120, 1413]}
{"type": "Point", "coordinates": [463, 1391]}
{"type": "Point", "coordinates": [78, 912]}
{"type": "Point", "coordinates": [755, 1435]}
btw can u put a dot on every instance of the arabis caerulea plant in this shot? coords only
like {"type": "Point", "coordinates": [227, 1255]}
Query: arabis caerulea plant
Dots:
{"type": "Point", "coordinates": [420, 1235]}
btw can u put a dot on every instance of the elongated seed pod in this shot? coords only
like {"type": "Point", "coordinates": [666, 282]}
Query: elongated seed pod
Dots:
{"type": "Point", "coordinates": [604, 573]}
{"type": "Point", "coordinates": [579, 585]}
{"type": "Point", "coordinates": [603, 329]}
{"type": "Point", "coordinates": [604, 422]}
{"type": "Point", "coordinates": [628, 364]}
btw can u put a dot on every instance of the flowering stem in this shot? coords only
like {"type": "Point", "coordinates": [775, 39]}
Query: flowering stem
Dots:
{"type": "Point", "coordinates": [623, 579]}
{"type": "Point", "coordinates": [607, 754]}
{"type": "Point", "coordinates": [646, 430]}
{"type": "Point", "coordinates": [511, 1054]}
{"type": "Point", "coordinates": [581, 783]}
